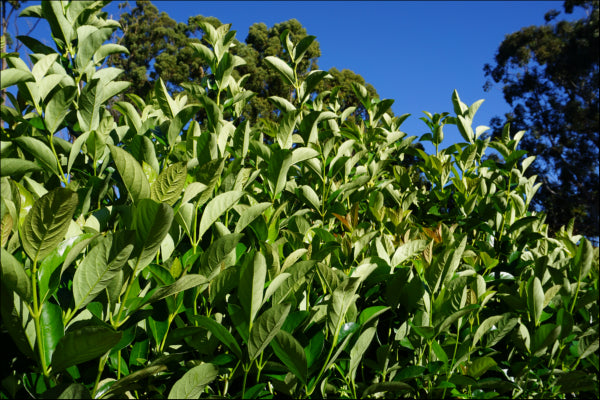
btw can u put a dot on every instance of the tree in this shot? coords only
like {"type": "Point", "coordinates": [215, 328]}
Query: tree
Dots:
{"type": "Point", "coordinates": [159, 47]}
{"type": "Point", "coordinates": [549, 76]}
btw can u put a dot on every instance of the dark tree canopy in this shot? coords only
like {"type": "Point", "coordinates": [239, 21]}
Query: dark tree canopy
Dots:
{"type": "Point", "coordinates": [158, 47]}
{"type": "Point", "coordinates": [550, 77]}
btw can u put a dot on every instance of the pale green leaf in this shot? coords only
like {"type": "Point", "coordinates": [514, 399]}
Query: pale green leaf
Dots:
{"type": "Point", "coordinates": [192, 383]}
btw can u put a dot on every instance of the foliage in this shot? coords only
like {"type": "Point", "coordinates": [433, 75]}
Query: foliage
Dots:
{"type": "Point", "coordinates": [159, 47]}
{"type": "Point", "coordinates": [159, 257]}
{"type": "Point", "coordinates": [550, 77]}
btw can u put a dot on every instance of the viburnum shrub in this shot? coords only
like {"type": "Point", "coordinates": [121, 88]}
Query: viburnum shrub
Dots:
{"type": "Point", "coordinates": [164, 254]}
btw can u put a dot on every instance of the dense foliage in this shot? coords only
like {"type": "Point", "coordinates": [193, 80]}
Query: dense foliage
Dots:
{"type": "Point", "coordinates": [155, 256]}
{"type": "Point", "coordinates": [158, 46]}
{"type": "Point", "coordinates": [550, 76]}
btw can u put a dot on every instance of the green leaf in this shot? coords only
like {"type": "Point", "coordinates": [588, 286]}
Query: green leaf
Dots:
{"type": "Point", "coordinates": [427, 332]}
{"type": "Point", "coordinates": [408, 250]}
{"type": "Point", "coordinates": [13, 76]}
{"type": "Point", "coordinates": [291, 353]}
{"type": "Point", "coordinates": [40, 152]}
{"type": "Point", "coordinates": [251, 286]}
{"type": "Point", "coordinates": [250, 214]}
{"type": "Point", "coordinates": [14, 276]}
{"type": "Point", "coordinates": [152, 223]}
{"type": "Point", "coordinates": [51, 329]}
{"type": "Point", "coordinates": [220, 333]}
{"type": "Point", "coordinates": [535, 299]}
{"type": "Point", "coordinates": [282, 68]}
{"type": "Point", "coordinates": [75, 391]}
{"type": "Point", "coordinates": [582, 262]}
{"type": "Point", "coordinates": [18, 321]}
{"type": "Point", "coordinates": [265, 328]}
{"type": "Point", "coordinates": [186, 282]}
{"type": "Point", "coordinates": [485, 327]}
{"type": "Point", "coordinates": [58, 107]}
{"type": "Point", "coordinates": [442, 328]}
{"type": "Point", "coordinates": [132, 174]}
{"type": "Point", "coordinates": [302, 46]}
{"type": "Point", "coordinates": [47, 222]}
{"type": "Point", "coordinates": [439, 352]}
{"type": "Point", "coordinates": [169, 184]}
{"type": "Point", "coordinates": [341, 299]}
{"type": "Point", "coordinates": [544, 337]}
{"type": "Point", "coordinates": [387, 387]}
{"type": "Point", "coordinates": [217, 207]}
{"type": "Point", "coordinates": [358, 350]}
{"type": "Point", "coordinates": [310, 195]}
{"type": "Point", "coordinates": [370, 313]}
{"type": "Point", "coordinates": [217, 254]}
{"type": "Point", "coordinates": [192, 383]}
{"type": "Point", "coordinates": [480, 365]}
{"type": "Point", "coordinates": [99, 267]}
{"type": "Point", "coordinates": [89, 105]}
{"type": "Point", "coordinates": [14, 167]}
{"type": "Point", "coordinates": [83, 344]}
{"type": "Point", "coordinates": [165, 102]}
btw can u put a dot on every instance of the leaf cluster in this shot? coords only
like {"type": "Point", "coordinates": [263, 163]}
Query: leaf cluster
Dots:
{"type": "Point", "coordinates": [156, 256]}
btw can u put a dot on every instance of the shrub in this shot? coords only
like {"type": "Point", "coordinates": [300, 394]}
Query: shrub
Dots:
{"type": "Point", "coordinates": [161, 256]}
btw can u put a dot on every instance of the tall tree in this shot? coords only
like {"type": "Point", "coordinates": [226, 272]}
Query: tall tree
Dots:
{"type": "Point", "coordinates": [550, 77]}
{"type": "Point", "coordinates": [158, 48]}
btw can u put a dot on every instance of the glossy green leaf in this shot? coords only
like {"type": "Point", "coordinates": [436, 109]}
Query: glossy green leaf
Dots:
{"type": "Point", "coordinates": [83, 344]}
{"type": "Point", "coordinates": [220, 333]}
{"type": "Point", "coordinates": [192, 383]}
{"type": "Point", "coordinates": [51, 329]}
{"type": "Point", "coordinates": [99, 267]}
{"type": "Point", "coordinates": [291, 353]}
{"type": "Point", "coordinates": [251, 286]}
{"type": "Point", "coordinates": [132, 174]}
{"type": "Point", "coordinates": [14, 276]}
{"type": "Point", "coordinates": [265, 328]}
{"type": "Point", "coordinates": [152, 223]}
{"type": "Point", "coordinates": [217, 207]}
{"type": "Point", "coordinates": [282, 68]}
{"type": "Point", "coordinates": [47, 222]}
{"type": "Point", "coordinates": [169, 184]}
{"type": "Point", "coordinates": [166, 103]}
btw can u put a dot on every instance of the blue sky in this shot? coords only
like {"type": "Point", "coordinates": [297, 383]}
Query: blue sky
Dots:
{"type": "Point", "coordinates": [415, 52]}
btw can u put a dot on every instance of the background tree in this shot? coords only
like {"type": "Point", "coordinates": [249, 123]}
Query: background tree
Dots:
{"type": "Point", "coordinates": [549, 76]}
{"type": "Point", "coordinates": [158, 48]}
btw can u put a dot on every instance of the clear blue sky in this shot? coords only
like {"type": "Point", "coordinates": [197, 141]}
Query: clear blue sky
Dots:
{"type": "Point", "coordinates": [415, 52]}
